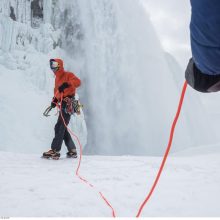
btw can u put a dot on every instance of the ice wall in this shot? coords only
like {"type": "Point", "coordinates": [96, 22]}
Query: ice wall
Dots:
{"type": "Point", "coordinates": [127, 78]}
{"type": "Point", "coordinates": [131, 87]}
{"type": "Point", "coordinates": [26, 80]}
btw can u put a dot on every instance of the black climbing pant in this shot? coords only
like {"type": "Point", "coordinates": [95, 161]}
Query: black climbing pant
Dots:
{"type": "Point", "coordinates": [62, 134]}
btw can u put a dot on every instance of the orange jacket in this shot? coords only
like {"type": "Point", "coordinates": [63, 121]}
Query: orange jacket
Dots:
{"type": "Point", "coordinates": [62, 77]}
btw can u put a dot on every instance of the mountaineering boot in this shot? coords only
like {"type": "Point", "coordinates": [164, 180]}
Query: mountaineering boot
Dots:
{"type": "Point", "coordinates": [51, 154]}
{"type": "Point", "coordinates": [71, 154]}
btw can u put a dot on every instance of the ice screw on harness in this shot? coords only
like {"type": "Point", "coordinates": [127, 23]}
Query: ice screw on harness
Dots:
{"type": "Point", "coordinates": [72, 106]}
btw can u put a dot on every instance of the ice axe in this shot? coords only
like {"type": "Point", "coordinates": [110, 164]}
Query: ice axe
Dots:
{"type": "Point", "coordinates": [47, 111]}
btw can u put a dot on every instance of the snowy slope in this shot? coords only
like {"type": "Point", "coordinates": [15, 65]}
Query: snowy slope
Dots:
{"type": "Point", "coordinates": [31, 186]}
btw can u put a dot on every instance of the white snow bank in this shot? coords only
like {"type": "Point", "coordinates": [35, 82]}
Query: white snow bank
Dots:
{"type": "Point", "coordinates": [199, 151]}
{"type": "Point", "coordinates": [30, 186]}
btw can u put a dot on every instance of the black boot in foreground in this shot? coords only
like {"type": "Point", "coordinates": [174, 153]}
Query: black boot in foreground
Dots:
{"type": "Point", "coordinates": [51, 154]}
{"type": "Point", "coordinates": [71, 154]}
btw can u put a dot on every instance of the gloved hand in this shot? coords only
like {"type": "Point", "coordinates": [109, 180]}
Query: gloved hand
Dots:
{"type": "Point", "coordinates": [64, 86]}
{"type": "Point", "coordinates": [54, 102]}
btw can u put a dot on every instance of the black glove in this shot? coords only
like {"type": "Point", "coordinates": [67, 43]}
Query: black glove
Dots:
{"type": "Point", "coordinates": [63, 87]}
{"type": "Point", "coordinates": [54, 102]}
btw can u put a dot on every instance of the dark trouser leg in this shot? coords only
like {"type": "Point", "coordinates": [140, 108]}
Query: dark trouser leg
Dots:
{"type": "Point", "coordinates": [69, 142]}
{"type": "Point", "coordinates": [60, 130]}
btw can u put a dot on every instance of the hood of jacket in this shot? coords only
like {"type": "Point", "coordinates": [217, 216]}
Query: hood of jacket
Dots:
{"type": "Point", "coordinates": [60, 72]}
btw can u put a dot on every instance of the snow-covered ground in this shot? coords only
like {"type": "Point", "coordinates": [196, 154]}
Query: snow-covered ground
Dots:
{"type": "Point", "coordinates": [31, 186]}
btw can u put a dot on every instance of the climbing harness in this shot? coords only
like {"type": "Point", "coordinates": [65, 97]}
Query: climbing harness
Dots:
{"type": "Point", "coordinates": [72, 106]}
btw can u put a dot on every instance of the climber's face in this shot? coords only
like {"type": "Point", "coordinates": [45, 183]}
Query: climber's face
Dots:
{"type": "Point", "coordinates": [54, 65]}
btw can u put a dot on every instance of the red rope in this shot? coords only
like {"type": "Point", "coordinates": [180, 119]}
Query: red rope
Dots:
{"type": "Point", "coordinates": [80, 159]}
{"type": "Point", "coordinates": [167, 150]}
{"type": "Point", "coordinates": [162, 164]}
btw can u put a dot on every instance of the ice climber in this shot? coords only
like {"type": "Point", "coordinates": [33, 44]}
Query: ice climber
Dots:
{"type": "Point", "coordinates": [203, 71]}
{"type": "Point", "coordinates": [65, 86]}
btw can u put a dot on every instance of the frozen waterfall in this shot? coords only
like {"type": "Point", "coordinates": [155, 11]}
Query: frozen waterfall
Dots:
{"type": "Point", "coordinates": [130, 87]}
